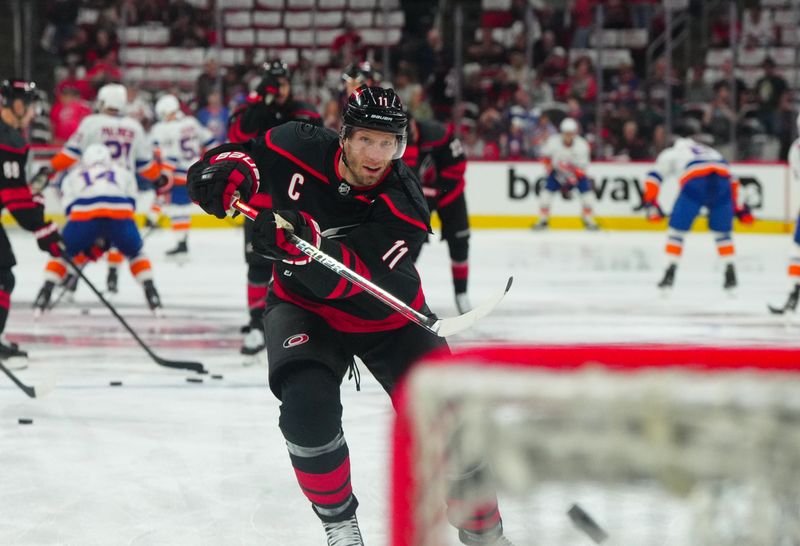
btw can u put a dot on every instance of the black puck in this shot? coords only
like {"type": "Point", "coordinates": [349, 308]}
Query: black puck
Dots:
{"type": "Point", "coordinates": [216, 376]}
{"type": "Point", "coordinates": [23, 421]}
{"type": "Point", "coordinates": [115, 383]}
{"type": "Point", "coordinates": [194, 379]}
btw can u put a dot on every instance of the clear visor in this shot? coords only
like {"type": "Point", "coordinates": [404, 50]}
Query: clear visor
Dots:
{"type": "Point", "coordinates": [374, 143]}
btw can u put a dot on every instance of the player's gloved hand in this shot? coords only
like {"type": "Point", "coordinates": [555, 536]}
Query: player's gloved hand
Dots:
{"type": "Point", "coordinates": [223, 171]}
{"type": "Point", "coordinates": [48, 239]}
{"type": "Point", "coordinates": [652, 211]}
{"type": "Point", "coordinates": [271, 237]}
{"type": "Point", "coordinates": [744, 214]}
{"type": "Point", "coordinates": [163, 184]}
{"type": "Point", "coordinates": [40, 180]}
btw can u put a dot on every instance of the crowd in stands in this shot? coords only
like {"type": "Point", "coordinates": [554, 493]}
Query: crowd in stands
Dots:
{"type": "Point", "coordinates": [512, 100]}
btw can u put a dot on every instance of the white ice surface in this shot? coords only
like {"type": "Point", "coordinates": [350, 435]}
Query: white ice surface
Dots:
{"type": "Point", "coordinates": [160, 461]}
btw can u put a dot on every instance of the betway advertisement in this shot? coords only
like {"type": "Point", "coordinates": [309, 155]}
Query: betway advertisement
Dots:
{"type": "Point", "coordinates": [506, 194]}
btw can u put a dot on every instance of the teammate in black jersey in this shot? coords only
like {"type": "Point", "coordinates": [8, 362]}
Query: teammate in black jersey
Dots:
{"type": "Point", "coordinates": [438, 159]}
{"type": "Point", "coordinates": [16, 97]}
{"type": "Point", "coordinates": [351, 196]}
{"type": "Point", "coordinates": [268, 106]}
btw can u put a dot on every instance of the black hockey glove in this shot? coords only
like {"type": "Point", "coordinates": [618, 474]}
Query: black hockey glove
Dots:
{"type": "Point", "coordinates": [40, 180]}
{"type": "Point", "coordinates": [223, 172]}
{"type": "Point", "coordinates": [48, 239]}
{"type": "Point", "coordinates": [272, 241]}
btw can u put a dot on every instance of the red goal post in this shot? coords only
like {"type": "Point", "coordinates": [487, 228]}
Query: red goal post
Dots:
{"type": "Point", "coordinates": [730, 381]}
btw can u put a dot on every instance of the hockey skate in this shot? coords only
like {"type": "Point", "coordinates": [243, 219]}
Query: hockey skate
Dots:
{"type": "Point", "coordinates": [730, 278]}
{"type": "Point", "coordinates": [669, 277]}
{"type": "Point", "coordinates": [494, 538]}
{"type": "Point", "coordinates": [462, 303]}
{"type": "Point", "coordinates": [589, 224]}
{"type": "Point", "coordinates": [254, 340]}
{"type": "Point", "coordinates": [112, 280]}
{"type": "Point", "coordinates": [343, 533]}
{"type": "Point", "coordinates": [152, 297]}
{"type": "Point", "coordinates": [42, 301]}
{"type": "Point", "coordinates": [70, 285]}
{"type": "Point", "coordinates": [541, 225]}
{"type": "Point", "coordinates": [180, 253]}
{"type": "Point", "coordinates": [9, 349]}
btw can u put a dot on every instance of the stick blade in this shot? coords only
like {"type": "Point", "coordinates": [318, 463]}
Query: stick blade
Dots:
{"type": "Point", "coordinates": [181, 364]}
{"type": "Point", "coordinates": [449, 326]}
{"type": "Point", "coordinates": [776, 310]}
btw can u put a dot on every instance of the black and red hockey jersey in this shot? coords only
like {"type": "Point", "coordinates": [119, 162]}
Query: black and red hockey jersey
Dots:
{"type": "Point", "coordinates": [15, 195]}
{"type": "Point", "coordinates": [371, 230]}
{"type": "Point", "coordinates": [253, 118]}
{"type": "Point", "coordinates": [437, 157]}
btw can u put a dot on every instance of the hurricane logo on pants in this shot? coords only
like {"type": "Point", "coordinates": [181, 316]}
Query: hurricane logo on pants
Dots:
{"type": "Point", "coordinates": [293, 341]}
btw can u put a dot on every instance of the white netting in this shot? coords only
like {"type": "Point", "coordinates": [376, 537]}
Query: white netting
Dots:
{"type": "Point", "coordinates": [671, 456]}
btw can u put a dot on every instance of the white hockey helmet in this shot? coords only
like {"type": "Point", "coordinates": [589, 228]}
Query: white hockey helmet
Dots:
{"type": "Point", "coordinates": [96, 154]}
{"type": "Point", "coordinates": [112, 96]}
{"type": "Point", "coordinates": [166, 105]}
{"type": "Point", "coordinates": [569, 125]}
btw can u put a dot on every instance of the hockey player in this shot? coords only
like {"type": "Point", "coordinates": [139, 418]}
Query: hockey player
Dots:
{"type": "Point", "coordinates": [16, 97]}
{"type": "Point", "coordinates": [178, 141]}
{"type": "Point", "coordinates": [123, 136]}
{"type": "Point", "coordinates": [566, 157]}
{"type": "Point", "coordinates": [437, 158]}
{"type": "Point", "coordinates": [706, 181]}
{"type": "Point", "coordinates": [349, 195]}
{"type": "Point", "coordinates": [100, 200]}
{"type": "Point", "coordinates": [271, 104]}
{"type": "Point", "coordinates": [794, 262]}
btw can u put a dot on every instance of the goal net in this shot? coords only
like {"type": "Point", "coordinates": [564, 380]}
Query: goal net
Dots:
{"type": "Point", "coordinates": [616, 445]}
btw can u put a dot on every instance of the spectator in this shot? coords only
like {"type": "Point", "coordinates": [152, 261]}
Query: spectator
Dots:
{"type": "Point", "coordinates": [247, 69]}
{"type": "Point", "coordinates": [67, 113]}
{"type": "Point", "coordinates": [554, 67]}
{"type": "Point", "coordinates": [139, 107]}
{"type": "Point", "coordinates": [348, 47]}
{"type": "Point", "coordinates": [104, 42]}
{"type": "Point", "coordinates": [625, 87]}
{"type": "Point", "coordinates": [540, 91]}
{"type": "Point", "coordinates": [641, 12]}
{"type": "Point", "coordinates": [490, 127]}
{"type": "Point", "coordinates": [727, 73]}
{"type": "Point", "coordinates": [517, 141]}
{"type": "Point", "coordinates": [471, 142]}
{"type": "Point", "coordinates": [487, 52]}
{"type": "Point", "coordinates": [617, 15]}
{"type": "Point", "coordinates": [658, 141]}
{"type": "Point", "coordinates": [180, 9]}
{"type": "Point", "coordinates": [105, 70]}
{"type": "Point", "coordinates": [581, 85]}
{"type": "Point", "coordinates": [631, 146]}
{"type": "Point", "coordinates": [657, 88]}
{"type": "Point", "coordinates": [769, 90]}
{"type": "Point", "coordinates": [785, 122]}
{"type": "Point", "coordinates": [214, 116]}
{"type": "Point", "coordinates": [719, 116]}
{"type": "Point", "coordinates": [697, 90]}
{"type": "Point", "coordinates": [207, 81]}
{"type": "Point", "coordinates": [431, 56]}
{"type": "Point", "coordinates": [583, 20]}
{"type": "Point", "coordinates": [73, 48]}
{"type": "Point", "coordinates": [412, 94]}
{"type": "Point", "coordinates": [758, 29]}
{"type": "Point", "coordinates": [75, 78]}
{"type": "Point", "coordinates": [61, 15]}
{"type": "Point", "coordinates": [721, 29]}
{"type": "Point", "coordinates": [542, 129]}
{"type": "Point", "coordinates": [517, 70]}
{"type": "Point", "coordinates": [543, 47]}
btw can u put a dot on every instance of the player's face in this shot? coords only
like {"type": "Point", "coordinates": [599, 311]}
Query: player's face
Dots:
{"type": "Point", "coordinates": [23, 112]}
{"type": "Point", "coordinates": [368, 155]}
{"type": "Point", "coordinates": [284, 88]}
{"type": "Point", "coordinates": [567, 138]}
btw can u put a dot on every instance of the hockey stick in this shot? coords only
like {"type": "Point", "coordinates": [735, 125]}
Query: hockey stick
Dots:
{"type": "Point", "coordinates": [440, 327]}
{"type": "Point", "coordinates": [176, 364]}
{"type": "Point", "coordinates": [782, 310]}
{"type": "Point", "coordinates": [32, 392]}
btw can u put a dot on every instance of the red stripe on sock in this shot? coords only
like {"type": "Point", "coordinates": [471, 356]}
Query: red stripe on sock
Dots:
{"type": "Point", "coordinates": [460, 271]}
{"type": "Point", "coordinates": [5, 299]}
{"type": "Point", "coordinates": [328, 488]}
{"type": "Point", "coordinates": [256, 296]}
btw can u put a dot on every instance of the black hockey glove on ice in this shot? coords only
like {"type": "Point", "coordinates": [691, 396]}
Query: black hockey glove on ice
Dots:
{"type": "Point", "coordinates": [223, 171]}
{"type": "Point", "coordinates": [273, 242]}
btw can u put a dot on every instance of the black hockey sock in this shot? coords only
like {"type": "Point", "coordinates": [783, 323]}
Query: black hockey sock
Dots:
{"type": "Point", "coordinates": [311, 419]}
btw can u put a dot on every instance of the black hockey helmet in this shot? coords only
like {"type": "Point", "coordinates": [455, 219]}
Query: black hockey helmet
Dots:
{"type": "Point", "coordinates": [274, 71]}
{"type": "Point", "coordinates": [360, 73]}
{"type": "Point", "coordinates": [13, 89]}
{"type": "Point", "coordinates": [377, 109]}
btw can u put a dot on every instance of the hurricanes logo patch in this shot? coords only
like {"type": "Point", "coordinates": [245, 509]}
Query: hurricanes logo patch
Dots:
{"type": "Point", "coordinates": [295, 340]}
{"type": "Point", "coordinates": [344, 188]}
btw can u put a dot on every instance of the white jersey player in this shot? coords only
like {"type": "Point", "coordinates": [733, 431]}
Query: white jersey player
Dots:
{"type": "Point", "coordinates": [122, 135]}
{"type": "Point", "coordinates": [794, 261]}
{"type": "Point", "coordinates": [100, 199]}
{"type": "Point", "coordinates": [126, 140]}
{"type": "Point", "coordinates": [179, 142]}
{"type": "Point", "coordinates": [566, 158]}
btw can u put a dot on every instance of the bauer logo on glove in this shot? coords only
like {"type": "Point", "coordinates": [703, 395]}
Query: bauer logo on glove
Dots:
{"type": "Point", "coordinates": [223, 172]}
